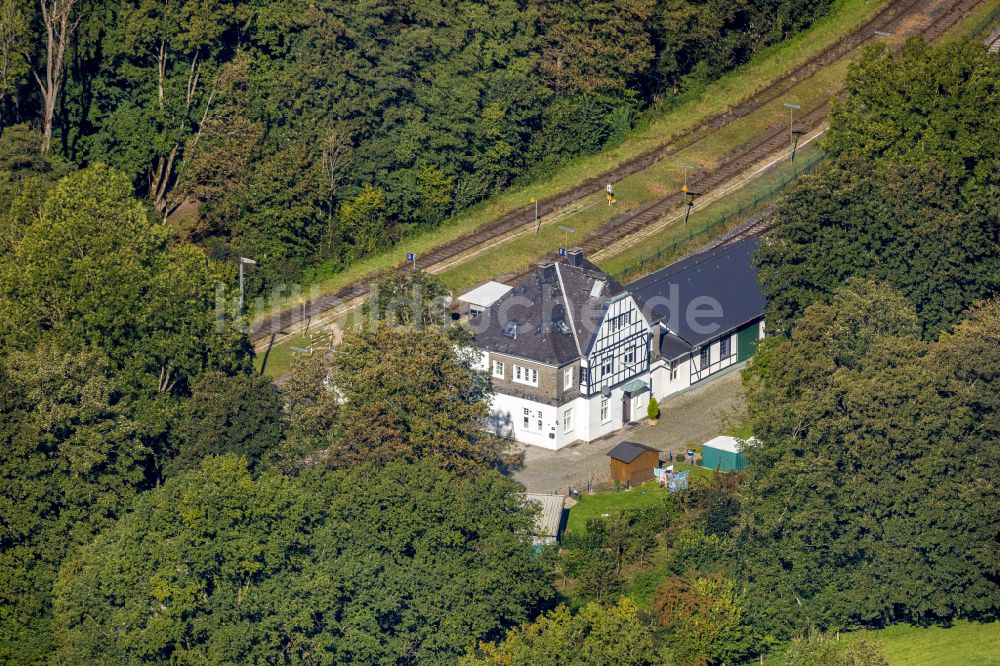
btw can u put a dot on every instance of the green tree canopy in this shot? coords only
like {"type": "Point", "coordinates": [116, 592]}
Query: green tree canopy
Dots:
{"type": "Point", "coordinates": [26, 177]}
{"type": "Point", "coordinates": [910, 196]}
{"type": "Point", "coordinates": [597, 635]}
{"type": "Point", "coordinates": [706, 619]}
{"type": "Point", "coordinates": [866, 498]}
{"type": "Point", "coordinates": [70, 460]}
{"type": "Point", "coordinates": [93, 270]}
{"type": "Point", "coordinates": [413, 297]}
{"type": "Point", "coordinates": [406, 564]}
{"type": "Point", "coordinates": [239, 414]}
{"type": "Point", "coordinates": [402, 393]}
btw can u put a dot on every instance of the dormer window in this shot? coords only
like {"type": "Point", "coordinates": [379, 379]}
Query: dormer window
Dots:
{"type": "Point", "coordinates": [510, 330]}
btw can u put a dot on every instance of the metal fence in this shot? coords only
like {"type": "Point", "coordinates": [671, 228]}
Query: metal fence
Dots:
{"type": "Point", "coordinates": [668, 251]}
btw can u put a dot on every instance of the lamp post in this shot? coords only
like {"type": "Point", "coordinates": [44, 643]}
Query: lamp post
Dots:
{"type": "Point", "coordinates": [534, 200]}
{"type": "Point", "coordinates": [568, 230]}
{"type": "Point", "coordinates": [244, 262]}
{"type": "Point", "coordinates": [791, 130]}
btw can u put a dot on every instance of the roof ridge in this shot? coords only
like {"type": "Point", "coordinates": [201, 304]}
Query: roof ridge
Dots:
{"type": "Point", "coordinates": [569, 310]}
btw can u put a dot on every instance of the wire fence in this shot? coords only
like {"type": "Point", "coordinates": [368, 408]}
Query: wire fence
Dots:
{"type": "Point", "coordinates": [668, 251]}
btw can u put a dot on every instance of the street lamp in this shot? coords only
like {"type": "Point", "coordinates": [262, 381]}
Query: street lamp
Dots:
{"type": "Point", "coordinates": [248, 262]}
{"type": "Point", "coordinates": [534, 200]}
{"type": "Point", "coordinates": [568, 230]}
{"type": "Point", "coordinates": [791, 131]}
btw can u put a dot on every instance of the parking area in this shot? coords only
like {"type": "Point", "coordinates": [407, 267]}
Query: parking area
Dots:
{"type": "Point", "coordinates": [688, 419]}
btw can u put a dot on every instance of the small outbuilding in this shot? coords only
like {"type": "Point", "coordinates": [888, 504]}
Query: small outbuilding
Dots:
{"type": "Point", "coordinates": [724, 454]}
{"type": "Point", "coordinates": [482, 297]}
{"type": "Point", "coordinates": [550, 519]}
{"type": "Point", "coordinates": [632, 463]}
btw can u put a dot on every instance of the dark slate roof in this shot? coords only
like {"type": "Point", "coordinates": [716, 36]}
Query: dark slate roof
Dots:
{"type": "Point", "coordinates": [725, 273]}
{"type": "Point", "coordinates": [626, 452]}
{"type": "Point", "coordinates": [539, 305]}
{"type": "Point", "coordinates": [672, 347]}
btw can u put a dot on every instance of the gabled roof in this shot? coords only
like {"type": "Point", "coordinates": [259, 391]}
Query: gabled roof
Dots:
{"type": "Point", "coordinates": [626, 452]}
{"type": "Point", "coordinates": [551, 316]}
{"type": "Point", "coordinates": [726, 274]}
{"type": "Point", "coordinates": [672, 347]}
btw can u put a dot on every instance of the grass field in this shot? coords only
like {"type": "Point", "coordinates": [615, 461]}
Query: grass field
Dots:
{"type": "Point", "coordinates": [962, 644]}
{"type": "Point", "coordinates": [653, 130]}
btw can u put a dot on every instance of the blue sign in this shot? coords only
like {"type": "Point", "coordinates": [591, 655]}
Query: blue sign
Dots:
{"type": "Point", "coordinates": [410, 256]}
{"type": "Point", "coordinates": [562, 252]}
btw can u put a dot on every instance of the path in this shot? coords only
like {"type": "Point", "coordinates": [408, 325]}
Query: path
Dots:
{"type": "Point", "coordinates": [687, 419]}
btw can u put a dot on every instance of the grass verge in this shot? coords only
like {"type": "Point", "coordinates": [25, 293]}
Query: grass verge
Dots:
{"type": "Point", "coordinates": [656, 128]}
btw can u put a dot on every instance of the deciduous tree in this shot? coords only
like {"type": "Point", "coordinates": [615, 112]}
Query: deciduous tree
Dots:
{"type": "Point", "coordinates": [405, 564]}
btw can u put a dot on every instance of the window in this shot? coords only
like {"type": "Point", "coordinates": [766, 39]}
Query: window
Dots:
{"type": "Point", "coordinates": [527, 418]}
{"type": "Point", "coordinates": [567, 420]}
{"type": "Point", "coordinates": [539, 421]}
{"type": "Point", "coordinates": [524, 375]}
{"type": "Point", "coordinates": [619, 322]}
{"type": "Point", "coordinates": [568, 378]}
{"type": "Point", "coordinates": [584, 374]}
{"type": "Point", "coordinates": [630, 356]}
{"type": "Point", "coordinates": [604, 410]}
{"type": "Point", "coordinates": [724, 348]}
{"type": "Point", "coordinates": [673, 370]}
{"type": "Point", "coordinates": [498, 369]}
{"type": "Point", "coordinates": [703, 360]}
{"type": "Point", "coordinates": [606, 367]}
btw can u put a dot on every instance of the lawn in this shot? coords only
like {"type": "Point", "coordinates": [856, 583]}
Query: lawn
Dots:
{"type": "Point", "coordinates": [648, 494]}
{"type": "Point", "coordinates": [962, 644]}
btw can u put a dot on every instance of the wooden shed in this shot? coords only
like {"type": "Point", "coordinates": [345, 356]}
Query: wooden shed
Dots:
{"type": "Point", "coordinates": [632, 463]}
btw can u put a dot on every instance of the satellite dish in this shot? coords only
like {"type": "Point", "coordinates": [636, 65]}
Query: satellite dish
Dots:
{"type": "Point", "coordinates": [605, 391]}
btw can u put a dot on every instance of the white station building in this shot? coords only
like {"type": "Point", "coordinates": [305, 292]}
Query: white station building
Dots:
{"type": "Point", "coordinates": [575, 356]}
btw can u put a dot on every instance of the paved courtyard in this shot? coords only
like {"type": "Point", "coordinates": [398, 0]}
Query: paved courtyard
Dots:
{"type": "Point", "coordinates": [688, 419]}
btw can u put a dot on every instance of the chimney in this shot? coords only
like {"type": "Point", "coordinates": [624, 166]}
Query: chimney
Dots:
{"type": "Point", "coordinates": [548, 270]}
{"type": "Point", "coordinates": [574, 256]}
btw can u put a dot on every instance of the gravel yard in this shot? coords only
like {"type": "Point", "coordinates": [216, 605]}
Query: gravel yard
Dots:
{"type": "Point", "coordinates": [688, 419]}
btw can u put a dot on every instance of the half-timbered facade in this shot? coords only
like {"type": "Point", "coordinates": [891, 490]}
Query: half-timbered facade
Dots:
{"type": "Point", "coordinates": [575, 356]}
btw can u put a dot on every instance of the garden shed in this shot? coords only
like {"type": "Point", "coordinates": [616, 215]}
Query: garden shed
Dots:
{"type": "Point", "coordinates": [632, 463]}
{"type": "Point", "coordinates": [723, 453]}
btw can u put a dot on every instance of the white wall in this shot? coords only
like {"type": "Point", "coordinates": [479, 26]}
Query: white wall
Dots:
{"type": "Point", "coordinates": [508, 411]}
{"type": "Point", "coordinates": [662, 385]}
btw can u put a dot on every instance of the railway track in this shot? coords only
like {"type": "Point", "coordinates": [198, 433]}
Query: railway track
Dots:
{"type": "Point", "coordinates": [893, 15]}
{"type": "Point", "coordinates": [742, 158]}
{"type": "Point", "coordinates": [992, 42]}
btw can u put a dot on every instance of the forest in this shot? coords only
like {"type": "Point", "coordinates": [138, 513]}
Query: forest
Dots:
{"type": "Point", "coordinates": [161, 502]}
{"type": "Point", "coordinates": [308, 135]}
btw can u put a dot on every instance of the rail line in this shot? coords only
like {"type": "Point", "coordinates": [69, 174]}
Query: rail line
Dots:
{"type": "Point", "coordinates": [272, 330]}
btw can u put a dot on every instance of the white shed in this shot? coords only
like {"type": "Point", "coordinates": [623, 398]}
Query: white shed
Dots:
{"type": "Point", "coordinates": [483, 296]}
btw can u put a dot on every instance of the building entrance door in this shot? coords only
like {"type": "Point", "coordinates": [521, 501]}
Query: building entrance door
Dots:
{"type": "Point", "coordinates": [626, 408]}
